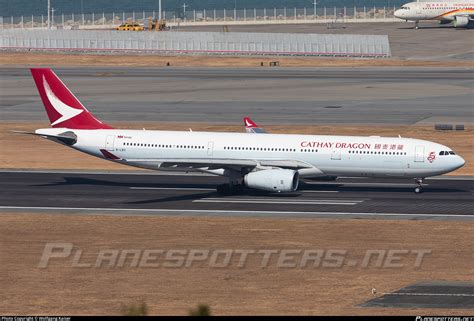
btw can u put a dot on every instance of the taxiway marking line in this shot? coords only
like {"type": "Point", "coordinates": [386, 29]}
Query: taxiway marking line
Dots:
{"type": "Point", "coordinates": [366, 184]}
{"type": "Point", "coordinates": [273, 202]}
{"type": "Point", "coordinates": [207, 189]}
{"type": "Point", "coordinates": [283, 200]}
{"type": "Point", "coordinates": [184, 211]}
{"type": "Point", "coordinates": [174, 188]}
{"type": "Point", "coordinates": [431, 294]}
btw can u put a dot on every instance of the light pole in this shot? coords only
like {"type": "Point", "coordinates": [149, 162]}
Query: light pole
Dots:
{"type": "Point", "coordinates": [159, 10]}
{"type": "Point", "coordinates": [184, 10]}
{"type": "Point", "coordinates": [49, 12]}
{"type": "Point", "coordinates": [314, 9]}
{"type": "Point", "coordinates": [52, 16]}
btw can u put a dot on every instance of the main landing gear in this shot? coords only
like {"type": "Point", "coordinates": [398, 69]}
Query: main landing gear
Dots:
{"type": "Point", "coordinates": [418, 188]}
{"type": "Point", "coordinates": [416, 25]}
{"type": "Point", "coordinates": [235, 183]}
{"type": "Point", "coordinates": [231, 188]}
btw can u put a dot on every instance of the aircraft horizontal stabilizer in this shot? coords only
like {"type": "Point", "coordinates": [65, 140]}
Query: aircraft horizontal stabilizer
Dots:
{"type": "Point", "coordinates": [67, 138]}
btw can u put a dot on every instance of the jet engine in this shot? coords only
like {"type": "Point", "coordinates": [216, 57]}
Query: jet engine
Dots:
{"type": "Point", "coordinates": [273, 180]}
{"type": "Point", "coordinates": [460, 22]}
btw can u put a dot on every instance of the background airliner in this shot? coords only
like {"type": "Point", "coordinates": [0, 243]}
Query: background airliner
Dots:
{"type": "Point", "coordinates": [269, 162]}
{"type": "Point", "coordinates": [460, 13]}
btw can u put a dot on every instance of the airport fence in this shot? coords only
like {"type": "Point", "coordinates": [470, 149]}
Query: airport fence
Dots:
{"type": "Point", "coordinates": [214, 43]}
{"type": "Point", "coordinates": [215, 16]}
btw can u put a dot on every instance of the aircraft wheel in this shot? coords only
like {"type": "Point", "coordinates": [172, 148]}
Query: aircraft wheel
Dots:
{"type": "Point", "coordinates": [418, 190]}
{"type": "Point", "coordinates": [226, 189]}
{"type": "Point", "coordinates": [223, 189]}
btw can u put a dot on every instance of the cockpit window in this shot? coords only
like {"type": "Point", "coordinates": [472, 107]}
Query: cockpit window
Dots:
{"type": "Point", "coordinates": [446, 153]}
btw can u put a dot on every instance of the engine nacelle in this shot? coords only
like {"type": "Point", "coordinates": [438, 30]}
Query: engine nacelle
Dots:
{"type": "Point", "coordinates": [460, 22]}
{"type": "Point", "coordinates": [273, 180]}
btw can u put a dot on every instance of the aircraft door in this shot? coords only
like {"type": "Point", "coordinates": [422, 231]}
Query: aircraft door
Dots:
{"type": "Point", "coordinates": [336, 154]}
{"type": "Point", "coordinates": [419, 154]}
{"type": "Point", "coordinates": [419, 13]}
{"type": "Point", "coordinates": [109, 142]}
{"type": "Point", "coordinates": [210, 148]}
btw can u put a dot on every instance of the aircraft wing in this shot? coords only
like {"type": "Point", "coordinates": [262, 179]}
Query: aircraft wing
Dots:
{"type": "Point", "coordinates": [252, 127]}
{"type": "Point", "coordinates": [216, 163]}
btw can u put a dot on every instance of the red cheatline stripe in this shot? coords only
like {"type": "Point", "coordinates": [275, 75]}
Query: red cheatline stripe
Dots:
{"type": "Point", "coordinates": [454, 11]}
{"type": "Point", "coordinates": [109, 155]}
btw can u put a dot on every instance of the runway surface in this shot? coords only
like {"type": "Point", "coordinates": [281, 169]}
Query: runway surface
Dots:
{"type": "Point", "coordinates": [372, 96]}
{"type": "Point", "coordinates": [428, 295]}
{"type": "Point", "coordinates": [194, 194]}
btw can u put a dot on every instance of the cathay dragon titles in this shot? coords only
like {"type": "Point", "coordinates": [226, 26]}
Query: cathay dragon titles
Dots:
{"type": "Point", "coordinates": [263, 161]}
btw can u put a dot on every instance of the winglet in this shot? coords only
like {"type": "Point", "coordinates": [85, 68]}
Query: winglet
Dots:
{"type": "Point", "coordinates": [62, 107]}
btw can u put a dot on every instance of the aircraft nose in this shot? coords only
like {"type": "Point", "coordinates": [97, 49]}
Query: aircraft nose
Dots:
{"type": "Point", "coordinates": [461, 161]}
{"type": "Point", "coordinates": [397, 13]}
{"type": "Point", "coordinates": [458, 162]}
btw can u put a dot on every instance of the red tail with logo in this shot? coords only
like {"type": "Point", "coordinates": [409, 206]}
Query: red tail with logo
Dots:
{"type": "Point", "coordinates": [62, 107]}
{"type": "Point", "coordinates": [249, 123]}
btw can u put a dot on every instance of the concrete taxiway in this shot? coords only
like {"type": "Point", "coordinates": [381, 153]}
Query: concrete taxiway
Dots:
{"type": "Point", "coordinates": [391, 96]}
{"type": "Point", "coordinates": [435, 294]}
{"type": "Point", "coordinates": [194, 194]}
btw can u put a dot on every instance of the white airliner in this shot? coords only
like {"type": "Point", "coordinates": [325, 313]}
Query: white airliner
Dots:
{"type": "Point", "coordinates": [460, 13]}
{"type": "Point", "coordinates": [270, 162]}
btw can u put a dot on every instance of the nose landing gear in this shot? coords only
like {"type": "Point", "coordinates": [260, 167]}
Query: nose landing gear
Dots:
{"type": "Point", "coordinates": [416, 25]}
{"type": "Point", "coordinates": [418, 188]}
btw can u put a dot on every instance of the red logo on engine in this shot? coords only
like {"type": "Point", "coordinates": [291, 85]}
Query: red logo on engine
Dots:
{"type": "Point", "coordinates": [431, 157]}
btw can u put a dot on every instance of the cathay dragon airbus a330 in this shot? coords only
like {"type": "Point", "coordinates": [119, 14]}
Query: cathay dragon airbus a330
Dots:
{"type": "Point", "coordinates": [269, 162]}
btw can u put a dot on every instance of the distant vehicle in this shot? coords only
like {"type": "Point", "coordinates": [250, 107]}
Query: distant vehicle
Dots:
{"type": "Point", "coordinates": [459, 13]}
{"type": "Point", "coordinates": [269, 162]}
{"type": "Point", "coordinates": [157, 25]}
{"type": "Point", "coordinates": [130, 27]}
